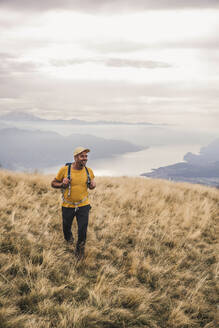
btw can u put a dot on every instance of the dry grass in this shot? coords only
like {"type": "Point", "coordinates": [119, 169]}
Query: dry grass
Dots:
{"type": "Point", "coordinates": [150, 256]}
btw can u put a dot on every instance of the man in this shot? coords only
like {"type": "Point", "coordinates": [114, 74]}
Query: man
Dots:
{"type": "Point", "coordinates": [75, 197]}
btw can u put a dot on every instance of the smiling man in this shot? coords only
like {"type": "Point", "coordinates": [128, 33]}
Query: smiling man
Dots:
{"type": "Point", "coordinates": [74, 179]}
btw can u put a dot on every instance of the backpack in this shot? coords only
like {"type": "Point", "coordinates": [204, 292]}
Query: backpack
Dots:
{"type": "Point", "coordinates": [69, 187]}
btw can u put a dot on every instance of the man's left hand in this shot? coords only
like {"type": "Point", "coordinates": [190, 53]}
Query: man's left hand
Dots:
{"type": "Point", "coordinates": [92, 184]}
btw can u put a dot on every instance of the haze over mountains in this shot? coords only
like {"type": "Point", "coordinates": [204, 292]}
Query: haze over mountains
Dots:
{"type": "Point", "coordinates": [28, 142]}
{"type": "Point", "coordinates": [23, 149]}
{"type": "Point", "coordinates": [144, 134]}
{"type": "Point", "coordinates": [25, 142]}
{"type": "Point", "coordinates": [22, 117]}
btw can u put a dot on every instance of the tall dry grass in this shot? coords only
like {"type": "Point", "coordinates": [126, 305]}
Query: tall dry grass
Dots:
{"type": "Point", "coordinates": [150, 256]}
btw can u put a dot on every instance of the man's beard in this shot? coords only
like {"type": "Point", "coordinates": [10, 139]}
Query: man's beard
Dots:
{"type": "Point", "coordinates": [82, 163]}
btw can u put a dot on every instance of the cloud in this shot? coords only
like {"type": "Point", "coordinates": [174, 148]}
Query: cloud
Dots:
{"type": "Point", "coordinates": [112, 6]}
{"type": "Point", "coordinates": [12, 18]}
{"type": "Point", "coordinates": [198, 43]}
{"type": "Point", "coordinates": [195, 104]}
{"type": "Point", "coordinates": [10, 64]}
{"type": "Point", "coordinates": [121, 46]}
{"type": "Point", "coordinates": [117, 62]}
{"type": "Point", "coordinates": [113, 62]}
{"type": "Point", "coordinates": [6, 56]}
{"type": "Point", "coordinates": [125, 46]}
{"type": "Point", "coordinates": [94, 99]}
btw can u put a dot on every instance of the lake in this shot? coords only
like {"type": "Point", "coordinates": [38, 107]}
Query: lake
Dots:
{"type": "Point", "coordinates": [166, 145]}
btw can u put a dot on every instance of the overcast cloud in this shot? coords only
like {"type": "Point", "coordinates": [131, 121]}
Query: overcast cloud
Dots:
{"type": "Point", "coordinates": [108, 5]}
{"type": "Point", "coordinates": [154, 61]}
{"type": "Point", "coordinates": [112, 62]}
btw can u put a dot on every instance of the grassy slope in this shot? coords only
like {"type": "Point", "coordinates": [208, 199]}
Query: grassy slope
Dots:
{"type": "Point", "coordinates": [150, 256]}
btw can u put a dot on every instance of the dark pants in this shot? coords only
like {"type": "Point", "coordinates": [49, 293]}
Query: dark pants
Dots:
{"type": "Point", "coordinates": [82, 215]}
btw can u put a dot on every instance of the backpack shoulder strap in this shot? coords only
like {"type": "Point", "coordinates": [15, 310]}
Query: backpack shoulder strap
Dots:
{"type": "Point", "coordinates": [69, 177]}
{"type": "Point", "coordinates": [69, 173]}
{"type": "Point", "coordinates": [69, 170]}
{"type": "Point", "coordinates": [88, 176]}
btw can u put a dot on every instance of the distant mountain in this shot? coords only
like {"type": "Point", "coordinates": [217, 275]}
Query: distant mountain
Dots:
{"type": "Point", "coordinates": [20, 116]}
{"type": "Point", "coordinates": [202, 168]}
{"type": "Point", "coordinates": [206, 156]}
{"type": "Point", "coordinates": [23, 149]}
{"type": "Point", "coordinates": [25, 117]}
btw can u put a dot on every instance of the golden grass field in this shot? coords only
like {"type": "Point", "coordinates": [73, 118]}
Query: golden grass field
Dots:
{"type": "Point", "coordinates": [150, 256]}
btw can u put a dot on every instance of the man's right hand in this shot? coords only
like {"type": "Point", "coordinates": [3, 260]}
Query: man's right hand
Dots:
{"type": "Point", "coordinates": [65, 182]}
{"type": "Point", "coordinates": [60, 184]}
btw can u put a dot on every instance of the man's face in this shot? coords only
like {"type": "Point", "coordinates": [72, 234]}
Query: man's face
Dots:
{"type": "Point", "coordinates": [81, 158]}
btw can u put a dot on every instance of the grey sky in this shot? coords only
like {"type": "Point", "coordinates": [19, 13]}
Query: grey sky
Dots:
{"type": "Point", "coordinates": [113, 62]}
{"type": "Point", "coordinates": [108, 5]}
{"type": "Point", "coordinates": [140, 60]}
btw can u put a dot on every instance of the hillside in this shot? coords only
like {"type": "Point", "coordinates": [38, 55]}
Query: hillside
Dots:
{"type": "Point", "coordinates": [150, 256]}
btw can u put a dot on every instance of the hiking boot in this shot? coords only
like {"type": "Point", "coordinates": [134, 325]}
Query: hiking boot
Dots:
{"type": "Point", "coordinates": [79, 253]}
{"type": "Point", "coordinates": [70, 241]}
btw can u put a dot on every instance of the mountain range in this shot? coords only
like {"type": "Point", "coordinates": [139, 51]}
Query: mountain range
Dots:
{"type": "Point", "coordinates": [144, 134]}
{"type": "Point", "coordinates": [26, 117]}
{"type": "Point", "coordinates": [24, 149]}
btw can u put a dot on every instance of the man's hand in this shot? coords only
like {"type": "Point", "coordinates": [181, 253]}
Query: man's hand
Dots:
{"type": "Point", "coordinates": [60, 184]}
{"type": "Point", "coordinates": [65, 182]}
{"type": "Point", "coordinates": [92, 184]}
